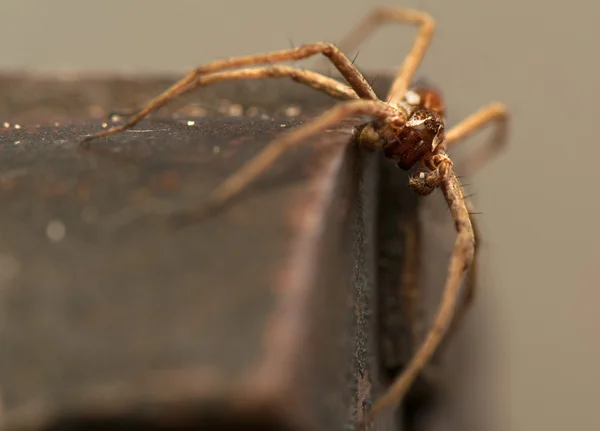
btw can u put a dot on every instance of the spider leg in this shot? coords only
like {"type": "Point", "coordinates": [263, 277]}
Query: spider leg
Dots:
{"type": "Point", "coordinates": [493, 113]}
{"type": "Point", "coordinates": [413, 59]}
{"type": "Point", "coordinates": [390, 14]}
{"type": "Point", "coordinates": [497, 113]}
{"type": "Point", "coordinates": [460, 261]}
{"type": "Point", "coordinates": [312, 79]}
{"type": "Point", "coordinates": [341, 62]}
{"type": "Point", "coordinates": [263, 160]}
{"type": "Point", "coordinates": [471, 279]}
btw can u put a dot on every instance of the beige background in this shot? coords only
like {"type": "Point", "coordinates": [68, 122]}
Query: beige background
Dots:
{"type": "Point", "coordinates": [531, 347]}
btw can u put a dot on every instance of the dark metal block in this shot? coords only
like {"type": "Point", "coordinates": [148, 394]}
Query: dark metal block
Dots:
{"type": "Point", "coordinates": [261, 317]}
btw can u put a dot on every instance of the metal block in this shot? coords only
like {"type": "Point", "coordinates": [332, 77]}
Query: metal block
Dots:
{"type": "Point", "coordinates": [261, 317]}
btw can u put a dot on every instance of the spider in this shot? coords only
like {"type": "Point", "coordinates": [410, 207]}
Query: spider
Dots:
{"type": "Point", "coordinates": [408, 127]}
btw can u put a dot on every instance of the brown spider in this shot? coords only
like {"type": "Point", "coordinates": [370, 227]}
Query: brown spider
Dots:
{"type": "Point", "coordinates": [408, 127]}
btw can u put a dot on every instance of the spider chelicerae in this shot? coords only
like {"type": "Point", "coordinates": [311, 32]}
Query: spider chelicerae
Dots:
{"type": "Point", "coordinates": [408, 127]}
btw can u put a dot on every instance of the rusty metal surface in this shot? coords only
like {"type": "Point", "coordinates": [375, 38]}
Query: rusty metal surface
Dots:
{"type": "Point", "coordinates": [260, 317]}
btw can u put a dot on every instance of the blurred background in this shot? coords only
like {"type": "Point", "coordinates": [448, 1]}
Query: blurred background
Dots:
{"type": "Point", "coordinates": [528, 356]}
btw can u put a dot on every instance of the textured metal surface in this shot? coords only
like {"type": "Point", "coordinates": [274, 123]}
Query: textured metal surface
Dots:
{"type": "Point", "coordinates": [259, 317]}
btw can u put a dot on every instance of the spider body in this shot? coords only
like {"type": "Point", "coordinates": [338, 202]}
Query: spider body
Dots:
{"type": "Point", "coordinates": [416, 137]}
{"type": "Point", "coordinates": [408, 126]}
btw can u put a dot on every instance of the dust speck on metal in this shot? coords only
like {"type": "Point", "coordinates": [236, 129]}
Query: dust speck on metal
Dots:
{"type": "Point", "coordinates": [292, 111]}
{"type": "Point", "coordinates": [56, 230]}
